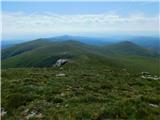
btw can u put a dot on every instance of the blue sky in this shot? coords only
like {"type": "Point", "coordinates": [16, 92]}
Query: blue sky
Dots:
{"type": "Point", "coordinates": [38, 19]}
{"type": "Point", "coordinates": [123, 8]}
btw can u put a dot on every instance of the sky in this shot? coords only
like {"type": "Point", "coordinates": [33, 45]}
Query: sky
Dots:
{"type": "Point", "coordinates": [27, 20]}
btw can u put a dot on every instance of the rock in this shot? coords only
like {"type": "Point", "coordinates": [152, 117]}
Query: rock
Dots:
{"type": "Point", "coordinates": [60, 75]}
{"type": "Point", "coordinates": [3, 112]}
{"type": "Point", "coordinates": [34, 114]}
{"type": "Point", "coordinates": [143, 77]}
{"type": "Point", "coordinates": [62, 94]}
{"type": "Point", "coordinates": [150, 77]}
{"type": "Point", "coordinates": [60, 62]}
{"type": "Point", "coordinates": [145, 73]}
{"type": "Point", "coordinates": [30, 115]}
{"type": "Point", "coordinates": [57, 105]}
{"type": "Point", "coordinates": [153, 105]}
{"type": "Point", "coordinates": [66, 105]}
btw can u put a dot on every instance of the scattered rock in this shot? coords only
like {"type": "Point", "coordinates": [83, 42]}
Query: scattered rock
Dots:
{"type": "Point", "coordinates": [66, 105]}
{"type": "Point", "coordinates": [143, 77]}
{"type": "Point", "coordinates": [147, 75]}
{"type": "Point", "coordinates": [153, 105]}
{"type": "Point", "coordinates": [3, 112]}
{"type": "Point", "coordinates": [150, 77]}
{"type": "Point", "coordinates": [30, 115]}
{"type": "Point", "coordinates": [68, 88]}
{"type": "Point", "coordinates": [33, 114]}
{"type": "Point", "coordinates": [60, 75]}
{"type": "Point", "coordinates": [62, 94]}
{"type": "Point", "coordinates": [60, 62]}
{"type": "Point", "coordinates": [57, 105]}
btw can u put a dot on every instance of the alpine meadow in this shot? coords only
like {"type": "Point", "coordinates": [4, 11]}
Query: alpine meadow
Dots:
{"type": "Point", "coordinates": [80, 60]}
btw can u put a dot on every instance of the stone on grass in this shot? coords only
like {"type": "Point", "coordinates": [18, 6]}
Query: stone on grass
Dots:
{"type": "Point", "coordinates": [60, 75]}
{"type": "Point", "coordinates": [153, 105]}
{"type": "Point", "coordinates": [150, 77]}
{"type": "Point", "coordinates": [34, 114]}
{"type": "Point", "coordinates": [147, 75]}
{"type": "Point", "coordinates": [66, 105]}
{"type": "Point", "coordinates": [62, 94]}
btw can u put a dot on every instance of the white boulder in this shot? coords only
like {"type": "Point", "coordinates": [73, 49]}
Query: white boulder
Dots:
{"type": "Point", "coordinates": [60, 62]}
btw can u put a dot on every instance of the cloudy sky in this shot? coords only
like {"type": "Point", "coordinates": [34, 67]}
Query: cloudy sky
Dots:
{"type": "Point", "coordinates": [23, 20]}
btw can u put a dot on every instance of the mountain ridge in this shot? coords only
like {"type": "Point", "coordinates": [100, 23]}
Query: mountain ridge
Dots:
{"type": "Point", "coordinates": [149, 42]}
{"type": "Point", "coordinates": [129, 48]}
{"type": "Point", "coordinates": [46, 53]}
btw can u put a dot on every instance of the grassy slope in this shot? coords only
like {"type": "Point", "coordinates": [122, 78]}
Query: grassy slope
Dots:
{"type": "Point", "coordinates": [128, 48]}
{"type": "Point", "coordinates": [24, 47]}
{"type": "Point", "coordinates": [44, 53]}
{"type": "Point", "coordinates": [47, 55]}
{"type": "Point", "coordinates": [95, 87]}
{"type": "Point", "coordinates": [139, 63]}
{"type": "Point", "coordinates": [90, 90]}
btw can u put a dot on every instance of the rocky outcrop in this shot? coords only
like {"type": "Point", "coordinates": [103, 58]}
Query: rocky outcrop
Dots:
{"type": "Point", "coordinates": [147, 75]}
{"type": "Point", "coordinates": [60, 62]}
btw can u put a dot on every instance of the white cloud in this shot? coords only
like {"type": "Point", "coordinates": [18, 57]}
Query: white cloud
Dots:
{"type": "Point", "coordinates": [19, 24]}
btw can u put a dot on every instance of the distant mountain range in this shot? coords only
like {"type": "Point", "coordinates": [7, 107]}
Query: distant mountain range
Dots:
{"type": "Point", "coordinates": [86, 40]}
{"type": "Point", "coordinates": [45, 52]}
{"type": "Point", "coordinates": [152, 43]}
